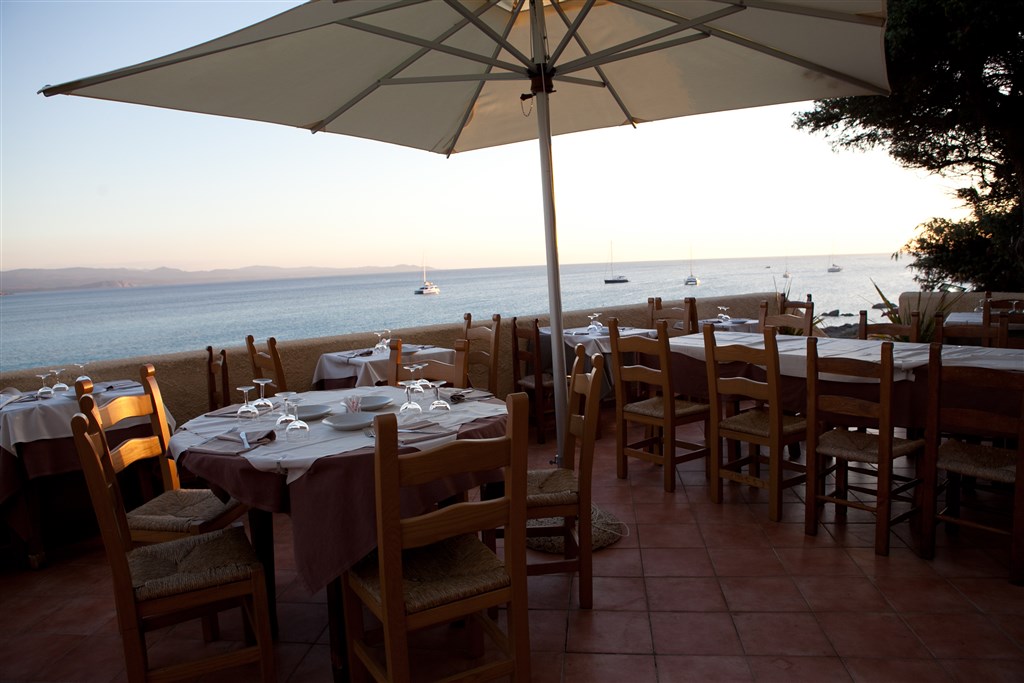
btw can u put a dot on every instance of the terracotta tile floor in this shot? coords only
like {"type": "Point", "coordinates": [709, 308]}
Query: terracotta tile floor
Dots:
{"type": "Point", "coordinates": [695, 592]}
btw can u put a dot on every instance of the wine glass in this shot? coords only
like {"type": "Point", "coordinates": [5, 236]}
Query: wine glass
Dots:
{"type": "Point", "coordinates": [594, 327]}
{"type": "Point", "coordinates": [1015, 309]}
{"type": "Point", "coordinates": [286, 415]}
{"type": "Point", "coordinates": [438, 402]}
{"type": "Point", "coordinates": [58, 386]}
{"type": "Point", "coordinates": [297, 430]}
{"type": "Point", "coordinates": [44, 391]}
{"type": "Point", "coordinates": [723, 316]}
{"type": "Point", "coordinates": [81, 371]}
{"type": "Point", "coordinates": [413, 390]}
{"type": "Point", "coordinates": [246, 411]}
{"type": "Point", "coordinates": [263, 403]}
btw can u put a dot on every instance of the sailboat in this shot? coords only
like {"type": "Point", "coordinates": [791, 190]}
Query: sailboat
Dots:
{"type": "Point", "coordinates": [427, 287]}
{"type": "Point", "coordinates": [692, 279]}
{"type": "Point", "coordinates": [834, 268]}
{"type": "Point", "coordinates": [786, 274]}
{"type": "Point", "coordinates": [613, 279]}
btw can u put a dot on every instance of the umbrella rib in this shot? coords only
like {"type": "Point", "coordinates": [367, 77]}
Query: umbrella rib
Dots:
{"type": "Point", "coordinates": [573, 31]}
{"type": "Point", "coordinates": [500, 40]}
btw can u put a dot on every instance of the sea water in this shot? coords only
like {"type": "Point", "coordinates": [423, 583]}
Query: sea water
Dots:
{"type": "Point", "coordinates": [59, 328]}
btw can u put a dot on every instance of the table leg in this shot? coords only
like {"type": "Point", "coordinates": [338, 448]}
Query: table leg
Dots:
{"type": "Point", "coordinates": [261, 525]}
{"type": "Point", "coordinates": [336, 628]}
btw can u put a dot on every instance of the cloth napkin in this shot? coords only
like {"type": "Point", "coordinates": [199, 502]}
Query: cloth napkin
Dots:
{"type": "Point", "coordinates": [230, 443]}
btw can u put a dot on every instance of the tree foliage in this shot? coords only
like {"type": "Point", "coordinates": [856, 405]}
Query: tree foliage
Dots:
{"type": "Point", "coordinates": [956, 69]}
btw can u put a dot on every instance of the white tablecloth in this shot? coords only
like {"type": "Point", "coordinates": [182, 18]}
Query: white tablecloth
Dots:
{"type": "Point", "coordinates": [731, 325]}
{"type": "Point", "coordinates": [370, 369]}
{"type": "Point", "coordinates": [296, 457]}
{"type": "Point", "coordinates": [594, 343]}
{"type": "Point", "coordinates": [36, 420]}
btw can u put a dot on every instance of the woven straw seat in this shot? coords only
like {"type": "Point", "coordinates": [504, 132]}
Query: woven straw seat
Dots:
{"type": "Point", "coordinates": [180, 510]}
{"type": "Point", "coordinates": [977, 460]}
{"type": "Point", "coordinates": [454, 569]}
{"type": "Point", "coordinates": [640, 366]}
{"type": "Point", "coordinates": [861, 446]}
{"type": "Point", "coordinates": [837, 413]}
{"type": "Point", "coordinates": [761, 423]}
{"type": "Point", "coordinates": [191, 563]}
{"type": "Point", "coordinates": [554, 486]}
{"type": "Point", "coordinates": [431, 568]}
{"type": "Point", "coordinates": [975, 428]}
{"type": "Point", "coordinates": [162, 584]}
{"type": "Point", "coordinates": [546, 381]}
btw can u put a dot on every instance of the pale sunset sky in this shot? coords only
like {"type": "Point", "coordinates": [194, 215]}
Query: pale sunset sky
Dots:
{"type": "Point", "coordinates": [92, 183]}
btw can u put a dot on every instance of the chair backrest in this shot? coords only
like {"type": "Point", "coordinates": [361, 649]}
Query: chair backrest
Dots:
{"type": "Point", "coordinates": [584, 413]}
{"type": "Point", "coordinates": [825, 407]}
{"type": "Point", "coordinates": [484, 340]}
{"type": "Point", "coordinates": [151, 405]}
{"type": "Point", "coordinates": [681, 320]}
{"type": "Point", "coordinates": [890, 330]}
{"type": "Point", "coordinates": [217, 384]}
{"type": "Point", "coordinates": [107, 503]}
{"type": "Point", "coordinates": [991, 333]}
{"type": "Point", "coordinates": [526, 353]}
{"type": "Point", "coordinates": [394, 471]}
{"type": "Point", "coordinates": [953, 404]}
{"type": "Point", "coordinates": [267, 364]}
{"type": "Point", "coordinates": [795, 318]}
{"type": "Point", "coordinates": [724, 386]}
{"type": "Point", "coordinates": [452, 374]}
{"type": "Point", "coordinates": [641, 363]}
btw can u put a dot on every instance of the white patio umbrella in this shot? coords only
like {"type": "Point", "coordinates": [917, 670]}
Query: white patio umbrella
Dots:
{"type": "Point", "coordinates": [450, 76]}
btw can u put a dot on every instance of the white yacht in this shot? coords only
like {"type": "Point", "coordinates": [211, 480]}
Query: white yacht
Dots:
{"type": "Point", "coordinates": [427, 287]}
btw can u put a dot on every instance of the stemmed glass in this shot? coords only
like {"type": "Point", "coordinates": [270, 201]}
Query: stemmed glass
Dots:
{"type": "Point", "coordinates": [297, 430]}
{"type": "Point", "coordinates": [44, 391]}
{"type": "Point", "coordinates": [263, 403]}
{"type": "Point", "coordinates": [58, 386]}
{"type": "Point", "coordinates": [81, 371]}
{"type": "Point", "coordinates": [439, 403]}
{"type": "Point", "coordinates": [246, 411]}
{"type": "Point", "coordinates": [594, 327]}
{"type": "Point", "coordinates": [723, 316]}
{"type": "Point", "coordinates": [1015, 309]}
{"type": "Point", "coordinates": [286, 415]}
{"type": "Point", "coordinates": [413, 390]}
{"type": "Point", "coordinates": [383, 342]}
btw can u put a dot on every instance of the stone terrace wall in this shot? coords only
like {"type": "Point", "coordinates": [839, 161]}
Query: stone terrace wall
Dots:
{"type": "Point", "coordinates": [182, 376]}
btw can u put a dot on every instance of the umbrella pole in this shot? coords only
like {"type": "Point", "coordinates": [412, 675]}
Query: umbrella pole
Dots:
{"type": "Point", "coordinates": [540, 89]}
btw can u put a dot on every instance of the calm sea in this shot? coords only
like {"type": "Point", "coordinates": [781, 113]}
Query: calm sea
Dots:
{"type": "Point", "coordinates": [46, 329]}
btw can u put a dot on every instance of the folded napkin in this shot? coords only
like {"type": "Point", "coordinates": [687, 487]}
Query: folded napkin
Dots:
{"type": "Point", "coordinates": [470, 395]}
{"type": "Point", "coordinates": [114, 386]}
{"type": "Point", "coordinates": [358, 354]}
{"type": "Point", "coordinates": [232, 443]}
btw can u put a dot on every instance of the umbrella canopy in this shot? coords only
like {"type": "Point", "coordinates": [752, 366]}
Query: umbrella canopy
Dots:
{"type": "Point", "coordinates": [450, 76]}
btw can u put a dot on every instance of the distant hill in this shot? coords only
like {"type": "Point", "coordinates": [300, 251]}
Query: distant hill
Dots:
{"type": "Point", "coordinates": [37, 279]}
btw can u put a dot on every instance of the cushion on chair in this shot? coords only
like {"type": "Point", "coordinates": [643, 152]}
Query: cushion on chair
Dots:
{"type": "Point", "coordinates": [529, 382]}
{"type": "Point", "coordinates": [655, 407]}
{"type": "Point", "coordinates": [975, 460]}
{"type": "Point", "coordinates": [191, 563]}
{"type": "Point", "coordinates": [437, 574]}
{"type": "Point", "coordinates": [177, 509]}
{"type": "Point", "coordinates": [551, 486]}
{"type": "Point", "coordinates": [755, 421]}
{"type": "Point", "coordinates": [860, 446]}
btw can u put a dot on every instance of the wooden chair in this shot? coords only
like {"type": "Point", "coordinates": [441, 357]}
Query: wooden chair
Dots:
{"type": "Point", "coordinates": [158, 585]}
{"type": "Point", "coordinates": [762, 423]}
{"type": "Point", "coordinates": [484, 340]}
{"type": "Point", "coordinates": [645, 363]}
{"type": "Point", "coordinates": [452, 374]}
{"type": "Point", "coordinates": [431, 568]}
{"type": "Point", "coordinates": [681, 321]}
{"type": "Point", "coordinates": [217, 385]}
{"type": "Point", "coordinates": [910, 332]}
{"type": "Point", "coordinates": [795, 318]}
{"type": "Point", "coordinates": [175, 512]}
{"type": "Point", "coordinates": [267, 364]}
{"type": "Point", "coordinates": [563, 494]}
{"type": "Point", "coordinates": [987, 334]}
{"type": "Point", "coordinates": [835, 423]}
{"type": "Point", "coordinates": [965, 439]}
{"type": "Point", "coordinates": [529, 375]}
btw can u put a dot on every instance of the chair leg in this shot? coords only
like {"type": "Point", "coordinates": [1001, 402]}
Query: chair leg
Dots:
{"type": "Point", "coordinates": [668, 461]}
{"type": "Point", "coordinates": [811, 493]}
{"type": "Point", "coordinates": [586, 562]}
{"type": "Point", "coordinates": [775, 472]}
{"type": "Point", "coordinates": [621, 462]}
{"type": "Point", "coordinates": [715, 487]}
{"type": "Point", "coordinates": [883, 508]}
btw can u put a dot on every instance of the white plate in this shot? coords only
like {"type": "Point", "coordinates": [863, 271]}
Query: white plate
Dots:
{"type": "Point", "coordinates": [313, 412]}
{"type": "Point", "coordinates": [374, 402]}
{"type": "Point", "coordinates": [349, 422]}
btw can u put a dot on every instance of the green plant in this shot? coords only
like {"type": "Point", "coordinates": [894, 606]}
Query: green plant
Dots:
{"type": "Point", "coordinates": [927, 331]}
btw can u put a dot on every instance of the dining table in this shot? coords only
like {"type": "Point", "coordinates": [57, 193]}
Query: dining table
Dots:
{"type": "Point", "coordinates": [369, 367]}
{"type": "Point", "coordinates": [324, 478]}
{"type": "Point", "coordinates": [40, 475]}
{"type": "Point", "coordinates": [689, 370]}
